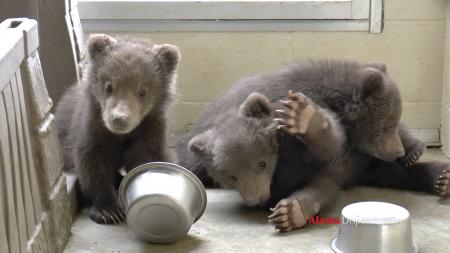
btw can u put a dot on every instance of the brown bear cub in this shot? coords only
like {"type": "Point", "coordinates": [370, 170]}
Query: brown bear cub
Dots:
{"type": "Point", "coordinates": [294, 150]}
{"type": "Point", "coordinates": [116, 117]}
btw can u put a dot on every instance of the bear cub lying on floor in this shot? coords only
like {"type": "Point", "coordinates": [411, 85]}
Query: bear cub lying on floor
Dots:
{"type": "Point", "coordinates": [340, 127]}
{"type": "Point", "coordinates": [116, 117]}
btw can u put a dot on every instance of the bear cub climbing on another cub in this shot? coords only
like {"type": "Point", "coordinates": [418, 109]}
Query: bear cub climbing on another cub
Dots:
{"type": "Point", "coordinates": [294, 150]}
{"type": "Point", "coordinates": [116, 117]}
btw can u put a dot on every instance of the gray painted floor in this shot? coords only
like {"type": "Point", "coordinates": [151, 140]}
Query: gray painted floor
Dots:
{"type": "Point", "coordinates": [228, 226]}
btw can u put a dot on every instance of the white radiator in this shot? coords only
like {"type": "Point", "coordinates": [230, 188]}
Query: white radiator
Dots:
{"type": "Point", "coordinates": [35, 211]}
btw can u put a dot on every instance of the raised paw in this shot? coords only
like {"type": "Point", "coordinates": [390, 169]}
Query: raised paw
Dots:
{"type": "Point", "coordinates": [300, 116]}
{"type": "Point", "coordinates": [107, 215]}
{"type": "Point", "coordinates": [411, 155]}
{"type": "Point", "coordinates": [287, 215]}
{"type": "Point", "coordinates": [442, 186]}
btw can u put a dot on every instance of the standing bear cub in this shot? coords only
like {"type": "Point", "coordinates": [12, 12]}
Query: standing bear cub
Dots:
{"type": "Point", "coordinates": [294, 150]}
{"type": "Point", "coordinates": [116, 117]}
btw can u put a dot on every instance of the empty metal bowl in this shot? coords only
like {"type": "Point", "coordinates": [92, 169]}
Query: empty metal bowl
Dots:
{"type": "Point", "coordinates": [161, 201]}
{"type": "Point", "coordinates": [374, 227]}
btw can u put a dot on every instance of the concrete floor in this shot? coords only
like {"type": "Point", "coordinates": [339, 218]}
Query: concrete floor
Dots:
{"type": "Point", "coordinates": [228, 226]}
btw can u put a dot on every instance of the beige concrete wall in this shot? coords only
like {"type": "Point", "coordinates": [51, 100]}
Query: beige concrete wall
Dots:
{"type": "Point", "coordinates": [445, 105]}
{"type": "Point", "coordinates": [411, 45]}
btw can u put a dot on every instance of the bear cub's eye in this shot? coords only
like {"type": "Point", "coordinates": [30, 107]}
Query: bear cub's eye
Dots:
{"type": "Point", "coordinates": [142, 92]}
{"type": "Point", "coordinates": [262, 165]}
{"type": "Point", "coordinates": [108, 88]}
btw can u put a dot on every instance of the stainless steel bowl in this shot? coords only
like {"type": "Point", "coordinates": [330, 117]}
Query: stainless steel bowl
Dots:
{"type": "Point", "coordinates": [374, 227]}
{"type": "Point", "coordinates": [161, 201]}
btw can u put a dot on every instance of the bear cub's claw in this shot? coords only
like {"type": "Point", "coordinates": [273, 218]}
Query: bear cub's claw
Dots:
{"type": "Point", "coordinates": [300, 116]}
{"type": "Point", "coordinates": [412, 155]}
{"type": "Point", "coordinates": [442, 186]}
{"type": "Point", "coordinates": [107, 215]}
{"type": "Point", "coordinates": [287, 215]}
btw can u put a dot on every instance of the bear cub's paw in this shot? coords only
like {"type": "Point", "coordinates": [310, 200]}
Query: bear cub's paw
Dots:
{"type": "Point", "coordinates": [288, 214]}
{"type": "Point", "coordinates": [107, 215]}
{"type": "Point", "coordinates": [301, 117]}
{"type": "Point", "coordinates": [412, 154]}
{"type": "Point", "coordinates": [442, 186]}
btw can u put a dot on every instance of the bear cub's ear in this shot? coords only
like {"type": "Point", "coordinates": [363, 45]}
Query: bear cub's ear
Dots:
{"type": "Point", "coordinates": [168, 56]}
{"type": "Point", "coordinates": [378, 65]}
{"type": "Point", "coordinates": [372, 81]}
{"type": "Point", "coordinates": [97, 44]}
{"type": "Point", "coordinates": [202, 144]}
{"type": "Point", "coordinates": [256, 105]}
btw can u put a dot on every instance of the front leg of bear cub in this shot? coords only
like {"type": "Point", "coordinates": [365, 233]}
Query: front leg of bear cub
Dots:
{"type": "Point", "coordinates": [295, 211]}
{"type": "Point", "coordinates": [96, 177]}
{"type": "Point", "coordinates": [289, 214]}
{"type": "Point", "coordinates": [414, 148]}
{"type": "Point", "coordinates": [314, 125]}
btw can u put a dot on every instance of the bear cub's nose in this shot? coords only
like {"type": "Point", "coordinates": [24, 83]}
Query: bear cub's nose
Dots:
{"type": "Point", "coordinates": [120, 122]}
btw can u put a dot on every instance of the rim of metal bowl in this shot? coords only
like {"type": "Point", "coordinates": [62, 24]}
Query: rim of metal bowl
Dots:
{"type": "Point", "coordinates": [166, 165]}
{"type": "Point", "coordinates": [337, 250]}
{"type": "Point", "coordinates": [334, 247]}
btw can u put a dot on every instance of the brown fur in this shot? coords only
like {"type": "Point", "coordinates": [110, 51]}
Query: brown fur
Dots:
{"type": "Point", "coordinates": [338, 129]}
{"type": "Point", "coordinates": [116, 117]}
